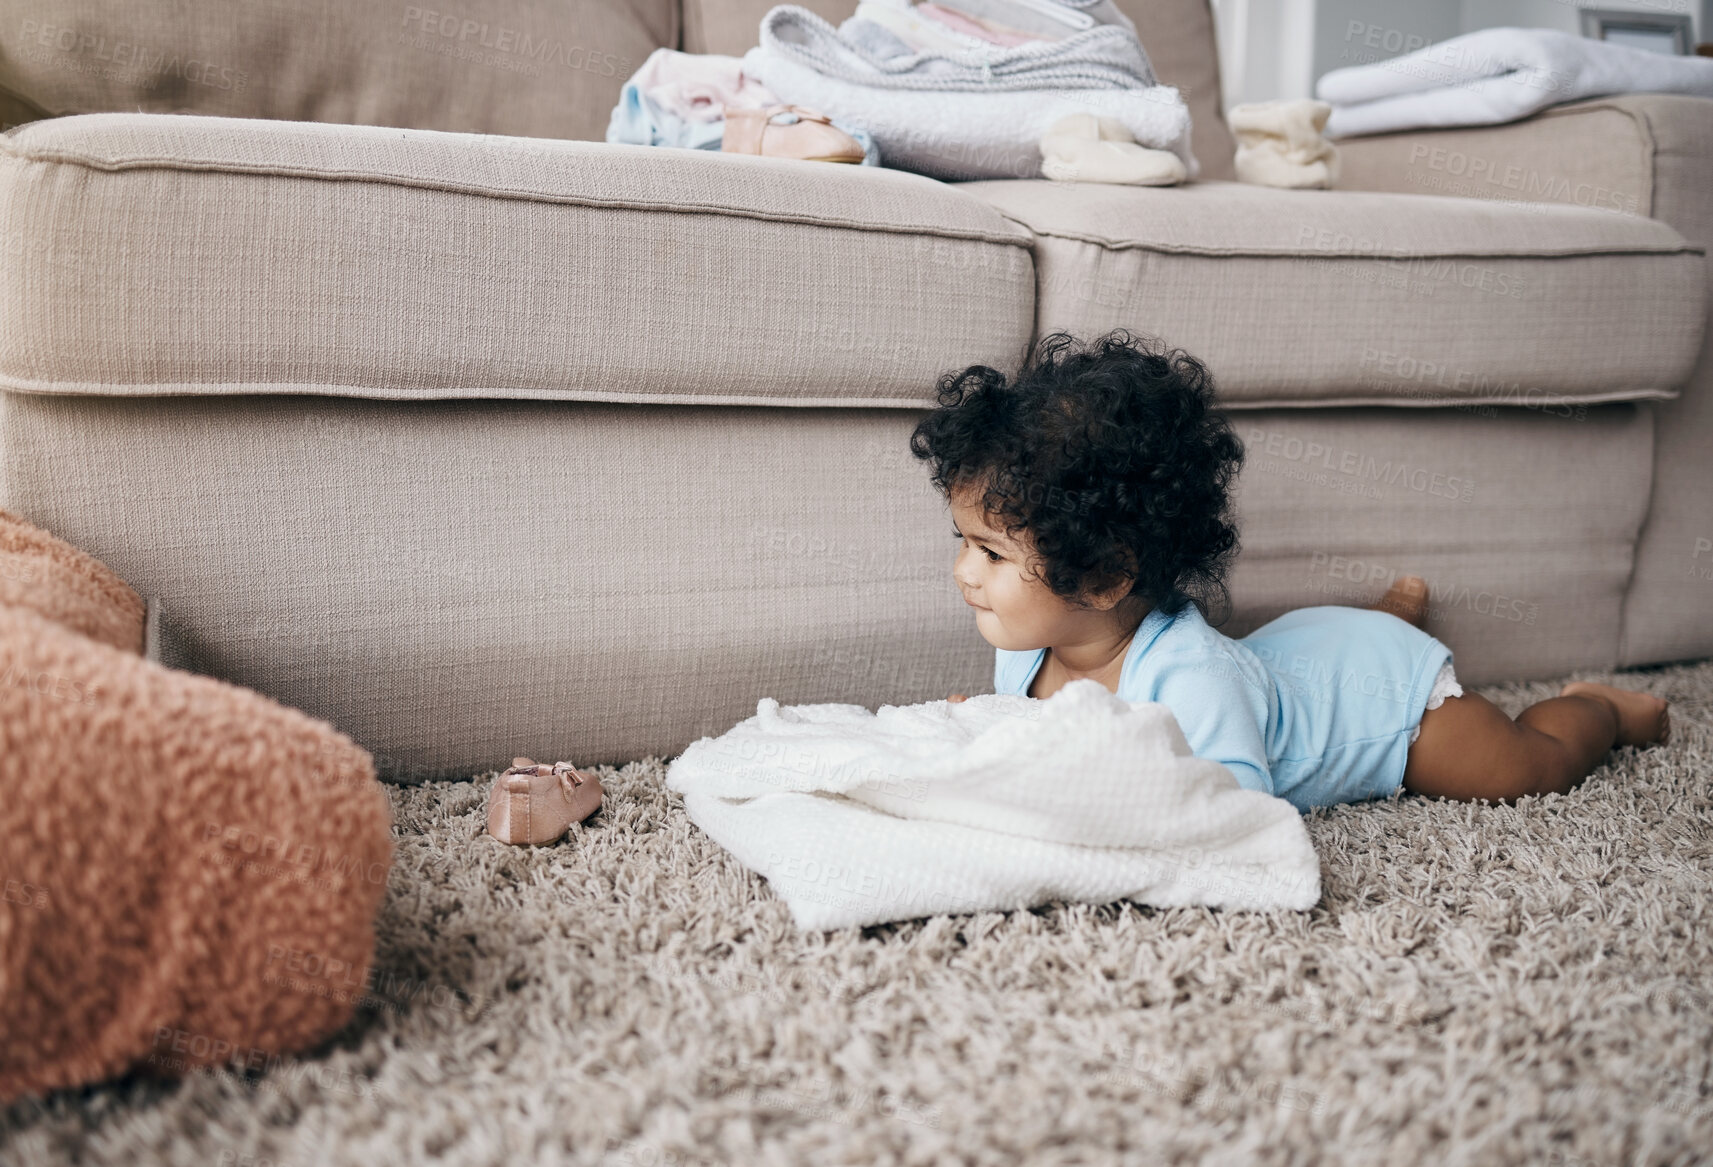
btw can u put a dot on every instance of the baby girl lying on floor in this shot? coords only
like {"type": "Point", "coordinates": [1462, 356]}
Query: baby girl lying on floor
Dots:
{"type": "Point", "coordinates": [1091, 498]}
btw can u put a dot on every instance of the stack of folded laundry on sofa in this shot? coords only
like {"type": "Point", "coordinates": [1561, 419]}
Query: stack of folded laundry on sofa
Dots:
{"type": "Point", "coordinates": [954, 89]}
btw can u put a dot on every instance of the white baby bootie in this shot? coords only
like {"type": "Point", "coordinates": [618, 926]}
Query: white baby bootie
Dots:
{"type": "Point", "coordinates": [1279, 143]}
{"type": "Point", "coordinates": [1086, 148]}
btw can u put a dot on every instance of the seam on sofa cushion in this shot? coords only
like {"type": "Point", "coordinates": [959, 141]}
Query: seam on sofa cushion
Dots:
{"type": "Point", "coordinates": [1608, 397]}
{"type": "Point", "coordinates": [370, 392]}
{"type": "Point", "coordinates": [12, 384]}
{"type": "Point", "coordinates": [1683, 247]}
{"type": "Point", "coordinates": [1645, 128]}
{"type": "Point", "coordinates": [382, 179]}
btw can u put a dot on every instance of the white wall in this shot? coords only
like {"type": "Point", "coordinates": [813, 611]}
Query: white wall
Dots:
{"type": "Point", "coordinates": [1266, 48]}
{"type": "Point", "coordinates": [1277, 48]}
{"type": "Point", "coordinates": [1360, 32]}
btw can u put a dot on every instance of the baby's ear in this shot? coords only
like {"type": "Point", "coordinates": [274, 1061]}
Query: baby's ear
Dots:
{"type": "Point", "coordinates": [1103, 596]}
{"type": "Point", "coordinates": [1106, 590]}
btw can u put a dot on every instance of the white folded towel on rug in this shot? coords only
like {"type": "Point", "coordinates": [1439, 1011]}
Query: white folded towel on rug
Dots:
{"type": "Point", "coordinates": [992, 804]}
{"type": "Point", "coordinates": [1279, 143]}
{"type": "Point", "coordinates": [1497, 75]}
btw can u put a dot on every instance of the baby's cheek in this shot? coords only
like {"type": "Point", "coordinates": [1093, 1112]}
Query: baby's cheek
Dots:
{"type": "Point", "coordinates": [1017, 607]}
{"type": "Point", "coordinates": [1023, 592]}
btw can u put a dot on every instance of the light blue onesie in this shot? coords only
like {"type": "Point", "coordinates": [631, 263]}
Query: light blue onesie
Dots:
{"type": "Point", "coordinates": [1317, 707]}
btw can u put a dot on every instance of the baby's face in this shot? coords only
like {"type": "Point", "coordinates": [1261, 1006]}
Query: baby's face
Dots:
{"type": "Point", "coordinates": [1014, 607]}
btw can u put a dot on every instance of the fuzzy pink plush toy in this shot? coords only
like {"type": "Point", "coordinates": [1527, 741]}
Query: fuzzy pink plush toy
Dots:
{"type": "Point", "coordinates": [170, 847]}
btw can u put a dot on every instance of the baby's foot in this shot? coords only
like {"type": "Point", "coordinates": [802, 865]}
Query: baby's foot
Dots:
{"type": "Point", "coordinates": [1407, 600]}
{"type": "Point", "coordinates": [1643, 719]}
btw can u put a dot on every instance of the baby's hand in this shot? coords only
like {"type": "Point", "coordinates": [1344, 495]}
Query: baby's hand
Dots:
{"type": "Point", "coordinates": [956, 697]}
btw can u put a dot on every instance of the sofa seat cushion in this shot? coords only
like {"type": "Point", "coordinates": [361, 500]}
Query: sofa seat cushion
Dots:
{"type": "Point", "coordinates": [1315, 298]}
{"type": "Point", "coordinates": [153, 254]}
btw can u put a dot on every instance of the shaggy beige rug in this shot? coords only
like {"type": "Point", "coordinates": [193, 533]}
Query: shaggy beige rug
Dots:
{"type": "Point", "coordinates": [1481, 984]}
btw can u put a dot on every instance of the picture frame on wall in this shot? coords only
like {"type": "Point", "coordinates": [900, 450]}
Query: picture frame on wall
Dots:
{"type": "Point", "coordinates": [1660, 32]}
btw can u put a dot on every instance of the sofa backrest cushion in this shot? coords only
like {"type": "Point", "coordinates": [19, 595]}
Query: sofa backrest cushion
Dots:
{"type": "Point", "coordinates": [535, 68]}
{"type": "Point", "coordinates": [1178, 35]}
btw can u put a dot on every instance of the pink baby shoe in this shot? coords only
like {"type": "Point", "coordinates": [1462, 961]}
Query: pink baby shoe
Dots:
{"type": "Point", "coordinates": [788, 131]}
{"type": "Point", "coordinates": [537, 804]}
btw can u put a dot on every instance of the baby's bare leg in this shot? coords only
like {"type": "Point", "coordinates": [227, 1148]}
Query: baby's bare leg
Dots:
{"type": "Point", "coordinates": [1469, 748]}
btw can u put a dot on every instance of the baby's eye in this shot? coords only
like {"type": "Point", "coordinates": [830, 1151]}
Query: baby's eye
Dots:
{"type": "Point", "coordinates": [992, 556]}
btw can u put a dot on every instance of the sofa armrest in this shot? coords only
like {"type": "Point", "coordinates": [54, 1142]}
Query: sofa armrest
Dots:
{"type": "Point", "coordinates": [1597, 153]}
{"type": "Point", "coordinates": [1644, 154]}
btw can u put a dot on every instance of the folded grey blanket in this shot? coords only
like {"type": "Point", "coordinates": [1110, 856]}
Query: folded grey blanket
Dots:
{"type": "Point", "coordinates": [979, 114]}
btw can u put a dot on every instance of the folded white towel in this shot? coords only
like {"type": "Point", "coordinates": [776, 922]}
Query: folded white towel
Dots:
{"type": "Point", "coordinates": [996, 803]}
{"type": "Point", "coordinates": [1497, 75]}
{"type": "Point", "coordinates": [1279, 143]}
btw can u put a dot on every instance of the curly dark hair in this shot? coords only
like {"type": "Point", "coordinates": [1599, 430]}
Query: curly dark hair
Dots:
{"type": "Point", "coordinates": [1108, 454]}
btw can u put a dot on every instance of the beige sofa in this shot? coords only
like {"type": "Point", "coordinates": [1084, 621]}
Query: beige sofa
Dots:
{"type": "Point", "coordinates": [479, 442]}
